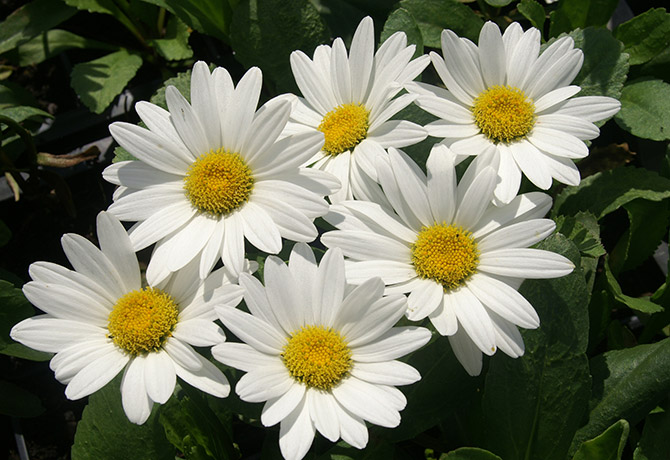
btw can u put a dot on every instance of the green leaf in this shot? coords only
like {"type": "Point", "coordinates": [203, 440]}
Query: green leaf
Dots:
{"type": "Point", "coordinates": [605, 66]}
{"type": "Point", "coordinates": [644, 111]}
{"type": "Point", "coordinates": [657, 67]}
{"type": "Point", "coordinates": [444, 386]}
{"type": "Point", "coordinates": [95, 6]}
{"type": "Point", "coordinates": [469, 453]}
{"type": "Point", "coordinates": [14, 307]}
{"type": "Point", "coordinates": [432, 16]}
{"type": "Point", "coordinates": [573, 14]}
{"type": "Point", "coordinates": [194, 428]}
{"type": "Point", "coordinates": [175, 44]}
{"type": "Point", "coordinates": [23, 112]}
{"type": "Point", "coordinates": [607, 446]}
{"type": "Point", "coordinates": [534, 404]}
{"type": "Point", "coordinates": [655, 442]}
{"type": "Point", "coordinates": [31, 20]}
{"type": "Point", "coordinates": [645, 35]}
{"type": "Point", "coordinates": [498, 3]}
{"type": "Point", "coordinates": [648, 225]}
{"type": "Point", "coordinates": [605, 192]}
{"type": "Point", "coordinates": [104, 432]}
{"type": "Point", "coordinates": [17, 402]}
{"type": "Point", "coordinates": [98, 82]}
{"type": "Point", "coordinates": [121, 154]}
{"type": "Point", "coordinates": [636, 303]}
{"type": "Point", "coordinates": [584, 231]}
{"type": "Point", "coordinates": [627, 384]}
{"type": "Point", "coordinates": [211, 17]}
{"type": "Point", "coordinates": [182, 82]}
{"type": "Point", "coordinates": [12, 95]}
{"type": "Point", "coordinates": [401, 20]}
{"type": "Point", "coordinates": [534, 12]}
{"type": "Point", "coordinates": [53, 42]}
{"type": "Point", "coordinates": [265, 32]}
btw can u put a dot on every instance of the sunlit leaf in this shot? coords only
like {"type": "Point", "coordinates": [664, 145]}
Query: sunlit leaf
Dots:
{"type": "Point", "coordinates": [644, 113]}
{"type": "Point", "coordinates": [645, 35]}
{"type": "Point", "coordinates": [607, 446]}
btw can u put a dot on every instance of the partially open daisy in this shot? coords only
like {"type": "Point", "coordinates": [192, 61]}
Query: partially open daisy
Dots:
{"type": "Point", "coordinates": [321, 353]}
{"type": "Point", "coordinates": [351, 100]}
{"type": "Point", "coordinates": [506, 97]}
{"type": "Point", "coordinates": [213, 173]}
{"type": "Point", "coordinates": [99, 321]}
{"type": "Point", "coordinates": [460, 258]}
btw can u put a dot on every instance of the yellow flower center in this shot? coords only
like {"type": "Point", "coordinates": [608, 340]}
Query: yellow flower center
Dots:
{"type": "Point", "coordinates": [445, 254]}
{"type": "Point", "coordinates": [344, 128]}
{"type": "Point", "coordinates": [218, 182]}
{"type": "Point", "coordinates": [142, 320]}
{"type": "Point", "coordinates": [504, 114]}
{"type": "Point", "coordinates": [317, 356]}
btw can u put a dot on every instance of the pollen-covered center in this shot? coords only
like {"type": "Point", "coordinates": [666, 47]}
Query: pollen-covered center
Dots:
{"type": "Point", "coordinates": [445, 254]}
{"type": "Point", "coordinates": [218, 182]}
{"type": "Point", "coordinates": [344, 128]}
{"type": "Point", "coordinates": [142, 320]}
{"type": "Point", "coordinates": [317, 356]}
{"type": "Point", "coordinates": [503, 113]}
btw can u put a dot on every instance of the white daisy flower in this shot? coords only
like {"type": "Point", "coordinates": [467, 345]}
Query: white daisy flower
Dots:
{"type": "Point", "coordinates": [350, 99]}
{"type": "Point", "coordinates": [213, 173]}
{"type": "Point", "coordinates": [506, 97]}
{"type": "Point", "coordinates": [100, 321]}
{"type": "Point", "coordinates": [460, 258]}
{"type": "Point", "coordinates": [321, 353]}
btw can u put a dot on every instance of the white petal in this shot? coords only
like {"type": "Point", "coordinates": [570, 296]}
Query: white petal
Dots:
{"type": "Point", "coordinates": [329, 287]}
{"type": "Point", "coordinates": [296, 433]}
{"type": "Point", "coordinates": [134, 397]}
{"type": "Point", "coordinates": [367, 401]}
{"type": "Point", "coordinates": [252, 330]}
{"type": "Point", "coordinates": [182, 354]}
{"type": "Point", "coordinates": [386, 373]}
{"type": "Point", "coordinates": [186, 122]}
{"type": "Point", "coordinates": [519, 235]}
{"type": "Point", "coordinates": [67, 303]}
{"type": "Point", "coordinates": [444, 317]}
{"type": "Point", "coordinates": [203, 100]}
{"type": "Point", "coordinates": [492, 54]}
{"type": "Point", "coordinates": [259, 229]}
{"type": "Point", "coordinates": [590, 108]}
{"type": "Point", "coordinates": [525, 263]}
{"type": "Point", "coordinates": [277, 409]}
{"type": "Point", "coordinates": [389, 271]}
{"type": "Point", "coordinates": [504, 300]}
{"type": "Point", "coordinates": [46, 333]}
{"type": "Point", "coordinates": [96, 375]}
{"type": "Point", "coordinates": [240, 110]}
{"type": "Point", "coordinates": [242, 356]}
{"type": "Point", "coordinates": [159, 376]}
{"type": "Point", "coordinates": [207, 378]}
{"type": "Point", "coordinates": [395, 343]}
{"type": "Point", "coordinates": [424, 299]}
{"type": "Point", "coordinates": [116, 246]}
{"type": "Point", "coordinates": [266, 383]}
{"type": "Point", "coordinates": [199, 332]}
{"type": "Point", "coordinates": [474, 319]}
{"type": "Point", "coordinates": [466, 352]}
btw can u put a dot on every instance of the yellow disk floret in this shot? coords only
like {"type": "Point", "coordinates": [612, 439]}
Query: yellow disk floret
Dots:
{"type": "Point", "coordinates": [142, 320]}
{"type": "Point", "coordinates": [218, 182]}
{"type": "Point", "coordinates": [317, 356]}
{"type": "Point", "coordinates": [504, 114]}
{"type": "Point", "coordinates": [344, 128]}
{"type": "Point", "coordinates": [445, 254]}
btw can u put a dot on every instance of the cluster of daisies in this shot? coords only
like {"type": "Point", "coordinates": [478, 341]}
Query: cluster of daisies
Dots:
{"type": "Point", "coordinates": [319, 341]}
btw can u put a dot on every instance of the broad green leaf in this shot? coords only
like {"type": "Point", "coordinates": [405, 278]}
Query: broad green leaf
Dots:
{"type": "Point", "coordinates": [104, 432]}
{"type": "Point", "coordinates": [17, 402]}
{"type": "Point", "coordinates": [182, 82]}
{"type": "Point", "coordinates": [54, 42]}
{"type": "Point", "coordinates": [12, 95]}
{"type": "Point", "coordinates": [469, 453]}
{"type": "Point", "coordinates": [573, 14]}
{"type": "Point", "coordinates": [534, 12]}
{"type": "Point", "coordinates": [265, 32]}
{"type": "Point", "coordinates": [5, 233]}
{"type": "Point", "coordinates": [211, 17]}
{"type": "Point", "coordinates": [443, 387]}
{"type": "Point", "coordinates": [175, 44]}
{"type": "Point", "coordinates": [432, 16]}
{"type": "Point", "coordinates": [401, 20]}
{"type": "Point", "coordinates": [30, 20]}
{"type": "Point", "coordinates": [648, 225]}
{"type": "Point", "coordinates": [655, 442]}
{"type": "Point", "coordinates": [627, 384]}
{"type": "Point", "coordinates": [14, 307]}
{"type": "Point", "coordinates": [636, 303]}
{"type": "Point", "coordinates": [605, 192]}
{"type": "Point", "coordinates": [646, 35]}
{"type": "Point", "coordinates": [22, 113]}
{"type": "Point", "coordinates": [192, 427]}
{"type": "Point", "coordinates": [657, 67]}
{"type": "Point", "coordinates": [584, 232]}
{"type": "Point", "coordinates": [498, 3]}
{"type": "Point", "coordinates": [96, 6]}
{"type": "Point", "coordinates": [644, 113]}
{"type": "Point", "coordinates": [607, 446]}
{"type": "Point", "coordinates": [605, 66]}
{"type": "Point", "coordinates": [98, 82]}
{"type": "Point", "coordinates": [534, 404]}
